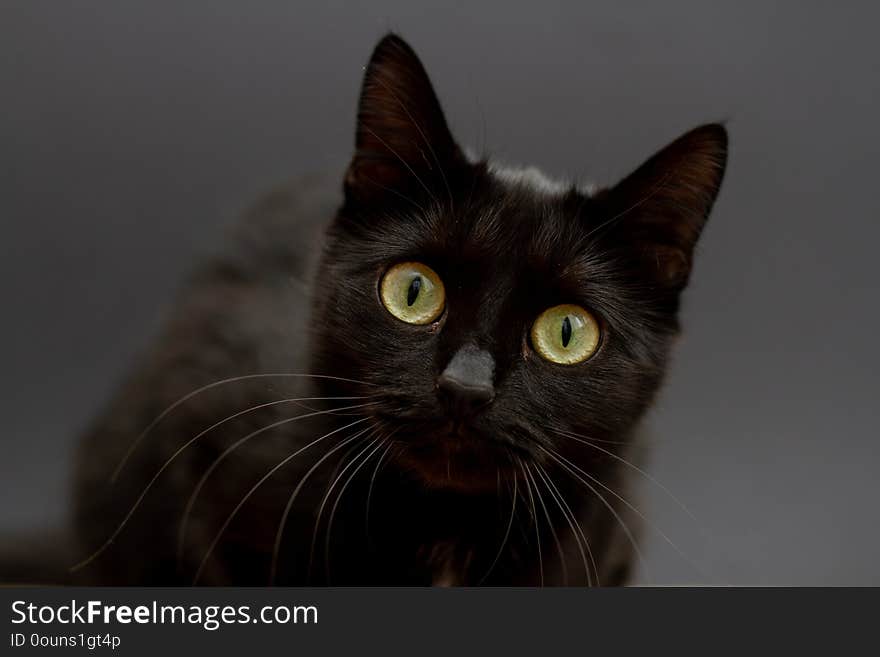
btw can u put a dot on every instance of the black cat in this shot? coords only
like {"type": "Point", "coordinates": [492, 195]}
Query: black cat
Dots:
{"type": "Point", "coordinates": [441, 382]}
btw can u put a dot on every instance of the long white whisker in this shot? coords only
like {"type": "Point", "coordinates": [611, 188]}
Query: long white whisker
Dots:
{"type": "Point", "coordinates": [605, 502]}
{"type": "Point", "coordinates": [549, 524]}
{"type": "Point", "coordinates": [324, 503]}
{"type": "Point", "coordinates": [572, 522]}
{"type": "Point", "coordinates": [597, 440]}
{"type": "Point", "coordinates": [535, 520]}
{"type": "Point", "coordinates": [641, 515]}
{"type": "Point", "coordinates": [276, 549]}
{"type": "Point", "coordinates": [207, 387]}
{"type": "Point", "coordinates": [181, 540]}
{"type": "Point", "coordinates": [506, 534]}
{"type": "Point", "coordinates": [551, 488]}
{"type": "Point", "coordinates": [134, 507]}
{"type": "Point", "coordinates": [373, 482]}
{"type": "Point", "coordinates": [254, 488]}
{"type": "Point", "coordinates": [627, 463]}
{"type": "Point", "coordinates": [378, 442]}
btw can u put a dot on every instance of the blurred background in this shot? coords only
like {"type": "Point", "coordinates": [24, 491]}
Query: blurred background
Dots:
{"type": "Point", "coordinates": [133, 134]}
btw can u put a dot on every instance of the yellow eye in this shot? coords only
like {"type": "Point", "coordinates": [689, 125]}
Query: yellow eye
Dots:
{"type": "Point", "coordinates": [413, 293]}
{"type": "Point", "coordinates": [565, 334]}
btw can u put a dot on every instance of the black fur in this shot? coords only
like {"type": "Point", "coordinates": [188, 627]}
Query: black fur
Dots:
{"type": "Point", "coordinates": [442, 508]}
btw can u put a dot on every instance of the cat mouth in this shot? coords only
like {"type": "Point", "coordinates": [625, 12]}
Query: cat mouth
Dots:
{"type": "Point", "coordinates": [459, 457]}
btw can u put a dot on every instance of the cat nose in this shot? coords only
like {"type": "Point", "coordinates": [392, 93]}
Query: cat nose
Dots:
{"type": "Point", "coordinates": [466, 385]}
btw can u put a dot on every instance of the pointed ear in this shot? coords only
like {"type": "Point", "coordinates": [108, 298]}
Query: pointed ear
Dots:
{"type": "Point", "coordinates": [402, 140]}
{"type": "Point", "coordinates": [660, 209]}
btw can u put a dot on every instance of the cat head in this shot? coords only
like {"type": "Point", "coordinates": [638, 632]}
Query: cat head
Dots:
{"type": "Point", "coordinates": [494, 313]}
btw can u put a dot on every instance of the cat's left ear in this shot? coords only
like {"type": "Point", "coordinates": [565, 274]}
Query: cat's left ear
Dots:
{"type": "Point", "coordinates": [659, 210]}
{"type": "Point", "coordinates": [402, 142]}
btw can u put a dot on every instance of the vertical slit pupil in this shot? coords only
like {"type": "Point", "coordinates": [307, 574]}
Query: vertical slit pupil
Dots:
{"type": "Point", "coordinates": [566, 331]}
{"type": "Point", "coordinates": [413, 293]}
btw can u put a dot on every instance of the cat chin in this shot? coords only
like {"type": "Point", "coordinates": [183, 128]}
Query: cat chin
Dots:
{"type": "Point", "coordinates": [459, 464]}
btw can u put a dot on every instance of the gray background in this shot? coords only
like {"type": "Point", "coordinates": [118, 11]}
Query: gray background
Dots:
{"type": "Point", "coordinates": [131, 136]}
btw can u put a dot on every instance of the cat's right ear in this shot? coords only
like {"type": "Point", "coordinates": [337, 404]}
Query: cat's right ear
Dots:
{"type": "Point", "coordinates": [402, 143]}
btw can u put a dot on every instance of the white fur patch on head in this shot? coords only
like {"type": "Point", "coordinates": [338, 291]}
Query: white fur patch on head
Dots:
{"type": "Point", "coordinates": [534, 179]}
{"type": "Point", "coordinates": [527, 176]}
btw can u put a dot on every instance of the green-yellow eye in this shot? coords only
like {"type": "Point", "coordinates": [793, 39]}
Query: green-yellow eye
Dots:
{"type": "Point", "coordinates": [565, 334]}
{"type": "Point", "coordinates": [413, 293]}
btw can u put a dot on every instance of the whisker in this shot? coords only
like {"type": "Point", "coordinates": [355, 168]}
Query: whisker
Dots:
{"type": "Point", "coordinates": [549, 524]}
{"type": "Point", "coordinates": [343, 459]}
{"type": "Point", "coordinates": [373, 481]}
{"type": "Point", "coordinates": [641, 515]}
{"type": "Point", "coordinates": [642, 472]}
{"type": "Point", "coordinates": [378, 442]}
{"type": "Point", "coordinates": [254, 488]}
{"type": "Point", "coordinates": [572, 523]}
{"type": "Point", "coordinates": [207, 387]}
{"type": "Point", "coordinates": [535, 519]}
{"type": "Point", "coordinates": [181, 539]}
{"type": "Point", "coordinates": [578, 524]}
{"type": "Point", "coordinates": [94, 555]}
{"type": "Point", "coordinates": [605, 502]}
{"type": "Point", "coordinates": [597, 440]}
{"type": "Point", "coordinates": [326, 498]}
{"type": "Point", "coordinates": [276, 549]}
{"type": "Point", "coordinates": [506, 533]}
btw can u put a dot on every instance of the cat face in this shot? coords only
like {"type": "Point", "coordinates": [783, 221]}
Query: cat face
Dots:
{"type": "Point", "coordinates": [493, 313]}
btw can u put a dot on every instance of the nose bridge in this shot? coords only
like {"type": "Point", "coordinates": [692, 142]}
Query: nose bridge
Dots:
{"type": "Point", "coordinates": [467, 380]}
